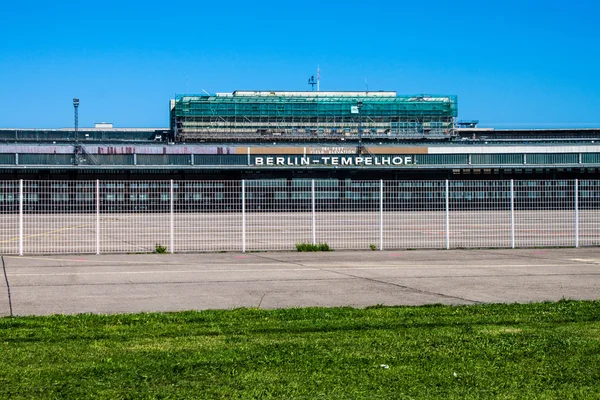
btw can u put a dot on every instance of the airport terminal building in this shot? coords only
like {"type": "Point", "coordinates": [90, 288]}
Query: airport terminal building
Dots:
{"type": "Point", "coordinates": [295, 135]}
{"type": "Point", "coordinates": [357, 170]}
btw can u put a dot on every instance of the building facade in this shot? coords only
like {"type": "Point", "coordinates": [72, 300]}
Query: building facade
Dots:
{"type": "Point", "coordinates": [302, 135]}
{"type": "Point", "coordinates": [311, 115]}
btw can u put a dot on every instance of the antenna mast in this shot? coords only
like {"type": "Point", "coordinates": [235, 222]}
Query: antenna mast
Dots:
{"type": "Point", "coordinates": [318, 78]}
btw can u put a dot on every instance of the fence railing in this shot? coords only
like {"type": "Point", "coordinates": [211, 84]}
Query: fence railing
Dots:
{"type": "Point", "coordinates": [45, 217]}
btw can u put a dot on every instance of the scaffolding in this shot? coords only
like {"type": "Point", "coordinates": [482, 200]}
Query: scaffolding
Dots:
{"type": "Point", "coordinates": [261, 114]}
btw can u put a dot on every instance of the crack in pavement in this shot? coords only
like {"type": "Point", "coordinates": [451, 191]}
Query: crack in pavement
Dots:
{"type": "Point", "coordinates": [420, 291]}
{"type": "Point", "coordinates": [295, 280]}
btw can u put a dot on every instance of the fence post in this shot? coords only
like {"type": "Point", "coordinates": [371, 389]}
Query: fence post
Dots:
{"type": "Point", "coordinates": [576, 212]}
{"type": "Point", "coordinates": [314, 228]}
{"type": "Point", "coordinates": [243, 215]}
{"type": "Point", "coordinates": [97, 216]}
{"type": "Point", "coordinates": [447, 217]}
{"type": "Point", "coordinates": [512, 213]}
{"type": "Point", "coordinates": [172, 225]}
{"type": "Point", "coordinates": [381, 214]}
{"type": "Point", "coordinates": [20, 217]}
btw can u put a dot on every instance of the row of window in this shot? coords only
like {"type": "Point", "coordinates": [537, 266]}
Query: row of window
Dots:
{"type": "Point", "coordinates": [293, 109]}
{"type": "Point", "coordinates": [301, 195]}
{"type": "Point", "coordinates": [296, 183]}
{"type": "Point", "coordinates": [239, 159]}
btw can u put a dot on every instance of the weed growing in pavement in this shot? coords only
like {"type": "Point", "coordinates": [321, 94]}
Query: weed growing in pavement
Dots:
{"type": "Point", "coordinates": [313, 247]}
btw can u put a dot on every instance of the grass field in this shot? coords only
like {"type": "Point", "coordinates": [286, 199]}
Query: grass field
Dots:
{"type": "Point", "coordinates": [544, 350]}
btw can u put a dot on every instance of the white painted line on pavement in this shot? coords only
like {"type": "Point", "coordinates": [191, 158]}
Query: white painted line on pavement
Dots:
{"type": "Point", "coordinates": [323, 269]}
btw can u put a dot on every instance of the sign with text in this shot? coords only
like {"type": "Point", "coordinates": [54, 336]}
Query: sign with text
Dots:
{"type": "Point", "coordinates": [345, 161]}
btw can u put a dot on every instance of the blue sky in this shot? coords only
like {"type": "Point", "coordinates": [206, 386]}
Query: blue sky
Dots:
{"type": "Point", "coordinates": [512, 63]}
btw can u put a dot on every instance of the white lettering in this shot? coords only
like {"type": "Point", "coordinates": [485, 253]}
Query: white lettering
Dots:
{"type": "Point", "coordinates": [334, 160]}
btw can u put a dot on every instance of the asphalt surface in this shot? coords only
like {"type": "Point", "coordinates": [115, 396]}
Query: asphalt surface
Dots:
{"type": "Point", "coordinates": [124, 283]}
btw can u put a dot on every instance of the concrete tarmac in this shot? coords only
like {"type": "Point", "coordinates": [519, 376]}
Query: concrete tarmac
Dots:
{"type": "Point", "coordinates": [129, 283]}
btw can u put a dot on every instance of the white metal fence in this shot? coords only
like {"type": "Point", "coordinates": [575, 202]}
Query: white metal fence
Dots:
{"type": "Point", "coordinates": [44, 217]}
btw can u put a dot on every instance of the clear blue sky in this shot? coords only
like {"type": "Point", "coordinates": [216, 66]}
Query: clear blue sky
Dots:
{"type": "Point", "coordinates": [512, 63]}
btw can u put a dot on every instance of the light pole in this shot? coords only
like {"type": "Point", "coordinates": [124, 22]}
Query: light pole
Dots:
{"type": "Point", "coordinates": [77, 149]}
{"type": "Point", "coordinates": [76, 106]}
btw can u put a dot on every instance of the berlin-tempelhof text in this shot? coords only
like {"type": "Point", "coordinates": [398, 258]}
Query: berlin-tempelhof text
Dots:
{"type": "Point", "coordinates": [333, 161]}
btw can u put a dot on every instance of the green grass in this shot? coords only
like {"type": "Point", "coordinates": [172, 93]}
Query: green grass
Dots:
{"type": "Point", "coordinates": [312, 247]}
{"type": "Point", "coordinates": [544, 350]}
{"type": "Point", "coordinates": [160, 249]}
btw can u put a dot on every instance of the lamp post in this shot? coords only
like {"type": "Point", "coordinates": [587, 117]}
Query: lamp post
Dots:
{"type": "Point", "coordinates": [76, 106]}
{"type": "Point", "coordinates": [77, 149]}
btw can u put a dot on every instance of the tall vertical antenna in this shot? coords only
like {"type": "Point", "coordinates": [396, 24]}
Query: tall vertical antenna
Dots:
{"type": "Point", "coordinates": [318, 78]}
{"type": "Point", "coordinates": [76, 106]}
